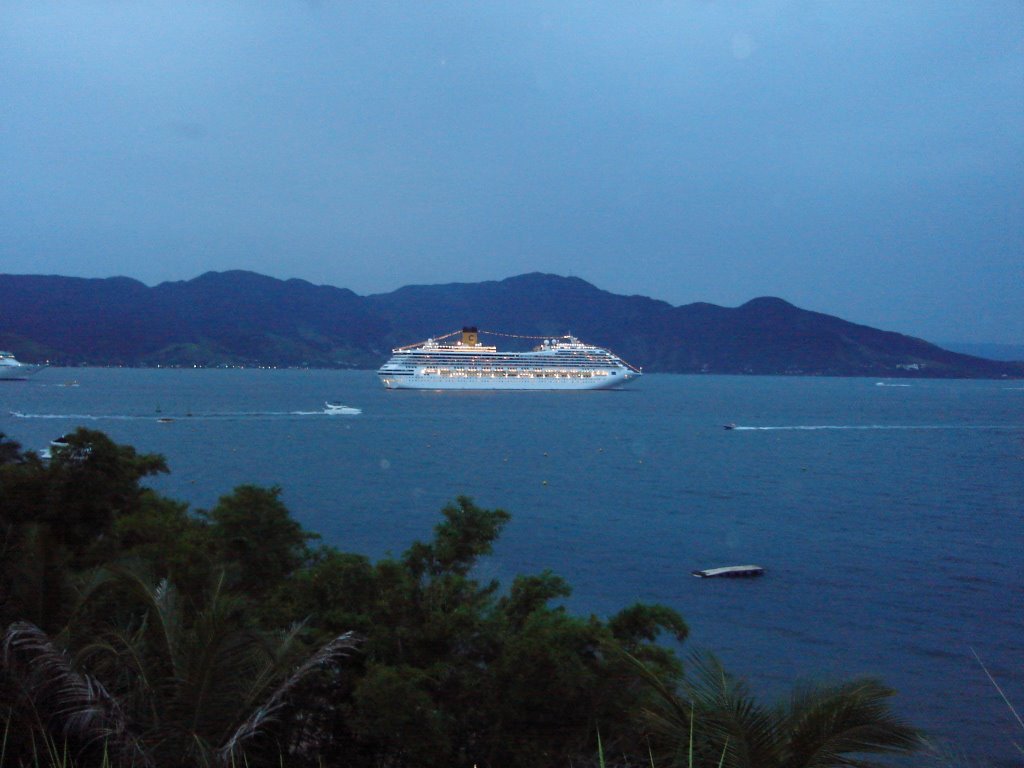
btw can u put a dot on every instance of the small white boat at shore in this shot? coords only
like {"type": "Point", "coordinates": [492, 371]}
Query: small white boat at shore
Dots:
{"type": "Point", "coordinates": [731, 572]}
{"type": "Point", "coordinates": [57, 444]}
{"type": "Point", "coordinates": [334, 408]}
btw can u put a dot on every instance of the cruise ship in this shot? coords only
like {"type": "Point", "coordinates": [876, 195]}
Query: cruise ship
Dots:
{"type": "Point", "coordinates": [12, 370]}
{"type": "Point", "coordinates": [559, 363]}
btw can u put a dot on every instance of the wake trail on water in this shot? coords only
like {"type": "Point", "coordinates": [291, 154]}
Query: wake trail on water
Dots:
{"type": "Point", "coordinates": [811, 428]}
{"type": "Point", "coordinates": [169, 416]}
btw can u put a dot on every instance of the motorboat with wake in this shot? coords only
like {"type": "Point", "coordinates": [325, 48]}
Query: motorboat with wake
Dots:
{"type": "Point", "coordinates": [334, 408]}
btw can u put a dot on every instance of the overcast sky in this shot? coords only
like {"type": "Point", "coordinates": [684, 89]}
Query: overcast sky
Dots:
{"type": "Point", "coordinates": [864, 159]}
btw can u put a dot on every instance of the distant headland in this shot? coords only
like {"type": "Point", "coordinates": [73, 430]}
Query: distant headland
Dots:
{"type": "Point", "coordinates": [241, 318]}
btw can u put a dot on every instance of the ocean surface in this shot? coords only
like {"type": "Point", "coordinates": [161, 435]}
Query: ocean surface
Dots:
{"type": "Point", "coordinates": [889, 516]}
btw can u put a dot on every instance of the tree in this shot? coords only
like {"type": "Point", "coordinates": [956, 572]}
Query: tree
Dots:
{"type": "Point", "coordinates": [252, 530]}
{"type": "Point", "coordinates": [95, 481]}
{"type": "Point", "coordinates": [10, 450]}
{"type": "Point", "coordinates": [466, 533]}
{"type": "Point", "coordinates": [56, 519]}
{"type": "Point", "coordinates": [173, 543]}
{"type": "Point", "coordinates": [458, 673]}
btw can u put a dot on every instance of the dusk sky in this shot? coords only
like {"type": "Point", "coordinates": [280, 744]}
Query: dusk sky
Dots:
{"type": "Point", "coordinates": [864, 159]}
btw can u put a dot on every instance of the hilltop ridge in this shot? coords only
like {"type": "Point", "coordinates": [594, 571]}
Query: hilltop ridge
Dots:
{"type": "Point", "coordinates": [244, 318]}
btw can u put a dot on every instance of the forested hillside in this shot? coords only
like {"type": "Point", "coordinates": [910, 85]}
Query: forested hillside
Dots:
{"type": "Point", "coordinates": [241, 318]}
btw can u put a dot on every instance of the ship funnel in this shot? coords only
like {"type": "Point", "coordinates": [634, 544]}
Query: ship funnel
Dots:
{"type": "Point", "coordinates": [469, 337]}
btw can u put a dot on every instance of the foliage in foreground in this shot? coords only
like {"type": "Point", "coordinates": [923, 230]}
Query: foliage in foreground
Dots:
{"type": "Point", "coordinates": [139, 634]}
{"type": "Point", "coordinates": [714, 720]}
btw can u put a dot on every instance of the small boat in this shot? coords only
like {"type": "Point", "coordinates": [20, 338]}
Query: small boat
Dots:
{"type": "Point", "coordinates": [729, 426]}
{"type": "Point", "coordinates": [731, 572]}
{"type": "Point", "coordinates": [57, 444]}
{"type": "Point", "coordinates": [333, 408]}
{"type": "Point", "coordinates": [165, 420]}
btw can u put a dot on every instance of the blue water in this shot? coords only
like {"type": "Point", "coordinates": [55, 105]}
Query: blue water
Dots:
{"type": "Point", "coordinates": [889, 518]}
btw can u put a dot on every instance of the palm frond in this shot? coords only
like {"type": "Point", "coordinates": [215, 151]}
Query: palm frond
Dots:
{"type": "Point", "coordinates": [729, 719]}
{"type": "Point", "coordinates": [159, 604]}
{"type": "Point", "coordinates": [833, 725]}
{"type": "Point", "coordinates": [218, 661]}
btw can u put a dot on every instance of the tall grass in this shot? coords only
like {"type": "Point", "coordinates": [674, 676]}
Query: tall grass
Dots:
{"type": "Point", "coordinates": [1008, 703]}
{"type": "Point", "coordinates": [950, 756]}
{"type": "Point", "coordinates": [650, 752]}
{"type": "Point", "coordinates": [52, 755]}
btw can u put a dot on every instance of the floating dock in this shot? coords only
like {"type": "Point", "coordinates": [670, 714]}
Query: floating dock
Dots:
{"type": "Point", "coordinates": [731, 572]}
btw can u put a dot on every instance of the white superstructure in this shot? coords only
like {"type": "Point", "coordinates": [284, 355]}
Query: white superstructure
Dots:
{"type": "Point", "coordinates": [12, 369]}
{"type": "Point", "coordinates": [562, 363]}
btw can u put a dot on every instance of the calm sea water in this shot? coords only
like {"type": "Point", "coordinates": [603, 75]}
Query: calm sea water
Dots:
{"type": "Point", "coordinates": [889, 518]}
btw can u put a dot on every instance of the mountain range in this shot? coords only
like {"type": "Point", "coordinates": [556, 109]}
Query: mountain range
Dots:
{"type": "Point", "coordinates": [243, 318]}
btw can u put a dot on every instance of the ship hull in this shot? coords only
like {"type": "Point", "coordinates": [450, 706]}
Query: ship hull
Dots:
{"type": "Point", "coordinates": [19, 373]}
{"type": "Point", "coordinates": [503, 383]}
